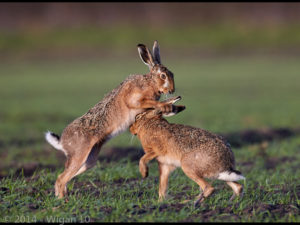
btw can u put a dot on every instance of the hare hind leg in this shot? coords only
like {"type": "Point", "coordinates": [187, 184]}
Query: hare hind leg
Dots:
{"type": "Point", "coordinates": [237, 189]}
{"type": "Point", "coordinates": [207, 189]}
{"type": "Point", "coordinates": [73, 164]}
{"type": "Point", "coordinates": [91, 160]}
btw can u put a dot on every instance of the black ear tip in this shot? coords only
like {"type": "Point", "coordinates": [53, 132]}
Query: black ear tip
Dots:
{"type": "Point", "coordinates": [180, 108]}
{"type": "Point", "coordinates": [141, 45]}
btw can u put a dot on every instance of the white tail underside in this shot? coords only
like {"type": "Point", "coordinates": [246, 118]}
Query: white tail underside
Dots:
{"type": "Point", "coordinates": [53, 141]}
{"type": "Point", "coordinates": [230, 176]}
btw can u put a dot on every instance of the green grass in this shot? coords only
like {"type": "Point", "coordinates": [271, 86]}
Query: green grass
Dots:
{"type": "Point", "coordinates": [221, 95]}
{"type": "Point", "coordinates": [223, 36]}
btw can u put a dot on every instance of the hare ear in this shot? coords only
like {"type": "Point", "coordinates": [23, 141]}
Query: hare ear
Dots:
{"type": "Point", "coordinates": [139, 116]}
{"type": "Point", "coordinates": [156, 53]}
{"type": "Point", "coordinates": [145, 55]}
{"type": "Point", "coordinates": [153, 112]}
{"type": "Point", "coordinates": [157, 112]}
{"type": "Point", "coordinates": [176, 109]}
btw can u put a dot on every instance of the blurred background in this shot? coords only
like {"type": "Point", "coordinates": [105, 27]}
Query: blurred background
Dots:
{"type": "Point", "coordinates": [41, 30]}
{"type": "Point", "coordinates": [236, 66]}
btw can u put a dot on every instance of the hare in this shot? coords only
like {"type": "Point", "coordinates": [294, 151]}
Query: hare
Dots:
{"type": "Point", "coordinates": [199, 153]}
{"type": "Point", "coordinates": [82, 139]}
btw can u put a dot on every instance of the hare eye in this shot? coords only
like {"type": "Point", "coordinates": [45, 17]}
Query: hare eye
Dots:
{"type": "Point", "coordinates": [163, 76]}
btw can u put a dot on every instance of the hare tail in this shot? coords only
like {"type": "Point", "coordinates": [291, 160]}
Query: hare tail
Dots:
{"type": "Point", "coordinates": [232, 175]}
{"type": "Point", "coordinates": [54, 140]}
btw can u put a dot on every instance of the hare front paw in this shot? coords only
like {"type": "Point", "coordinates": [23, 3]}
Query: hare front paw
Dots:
{"type": "Point", "coordinates": [143, 170]}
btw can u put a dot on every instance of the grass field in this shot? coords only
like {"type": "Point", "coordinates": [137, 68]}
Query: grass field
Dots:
{"type": "Point", "coordinates": [253, 101]}
{"type": "Point", "coordinates": [115, 40]}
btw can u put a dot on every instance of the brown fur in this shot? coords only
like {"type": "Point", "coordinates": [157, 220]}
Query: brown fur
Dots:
{"type": "Point", "coordinates": [82, 139]}
{"type": "Point", "coordinates": [200, 154]}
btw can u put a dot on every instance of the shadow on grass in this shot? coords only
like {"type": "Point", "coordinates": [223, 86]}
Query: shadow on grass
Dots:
{"type": "Point", "coordinates": [239, 139]}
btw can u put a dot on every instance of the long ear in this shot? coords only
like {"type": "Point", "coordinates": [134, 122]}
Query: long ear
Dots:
{"type": "Point", "coordinates": [145, 55]}
{"type": "Point", "coordinates": [156, 53]}
{"type": "Point", "coordinates": [176, 109]}
{"type": "Point", "coordinates": [157, 112]}
{"type": "Point", "coordinates": [139, 116]}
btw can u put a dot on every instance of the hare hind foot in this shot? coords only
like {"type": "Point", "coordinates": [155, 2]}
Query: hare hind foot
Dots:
{"type": "Point", "coordinates": [207, 192]}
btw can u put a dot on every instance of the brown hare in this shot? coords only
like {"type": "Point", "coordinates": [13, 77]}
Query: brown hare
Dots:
{"type": "Point", "coordinates": [199, 153]}
{"type": "Point", "coordinates": [82, 139]}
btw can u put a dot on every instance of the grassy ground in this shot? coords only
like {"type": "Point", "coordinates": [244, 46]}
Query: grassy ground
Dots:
{"type": "Point", "coordinates": [253, 101]}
